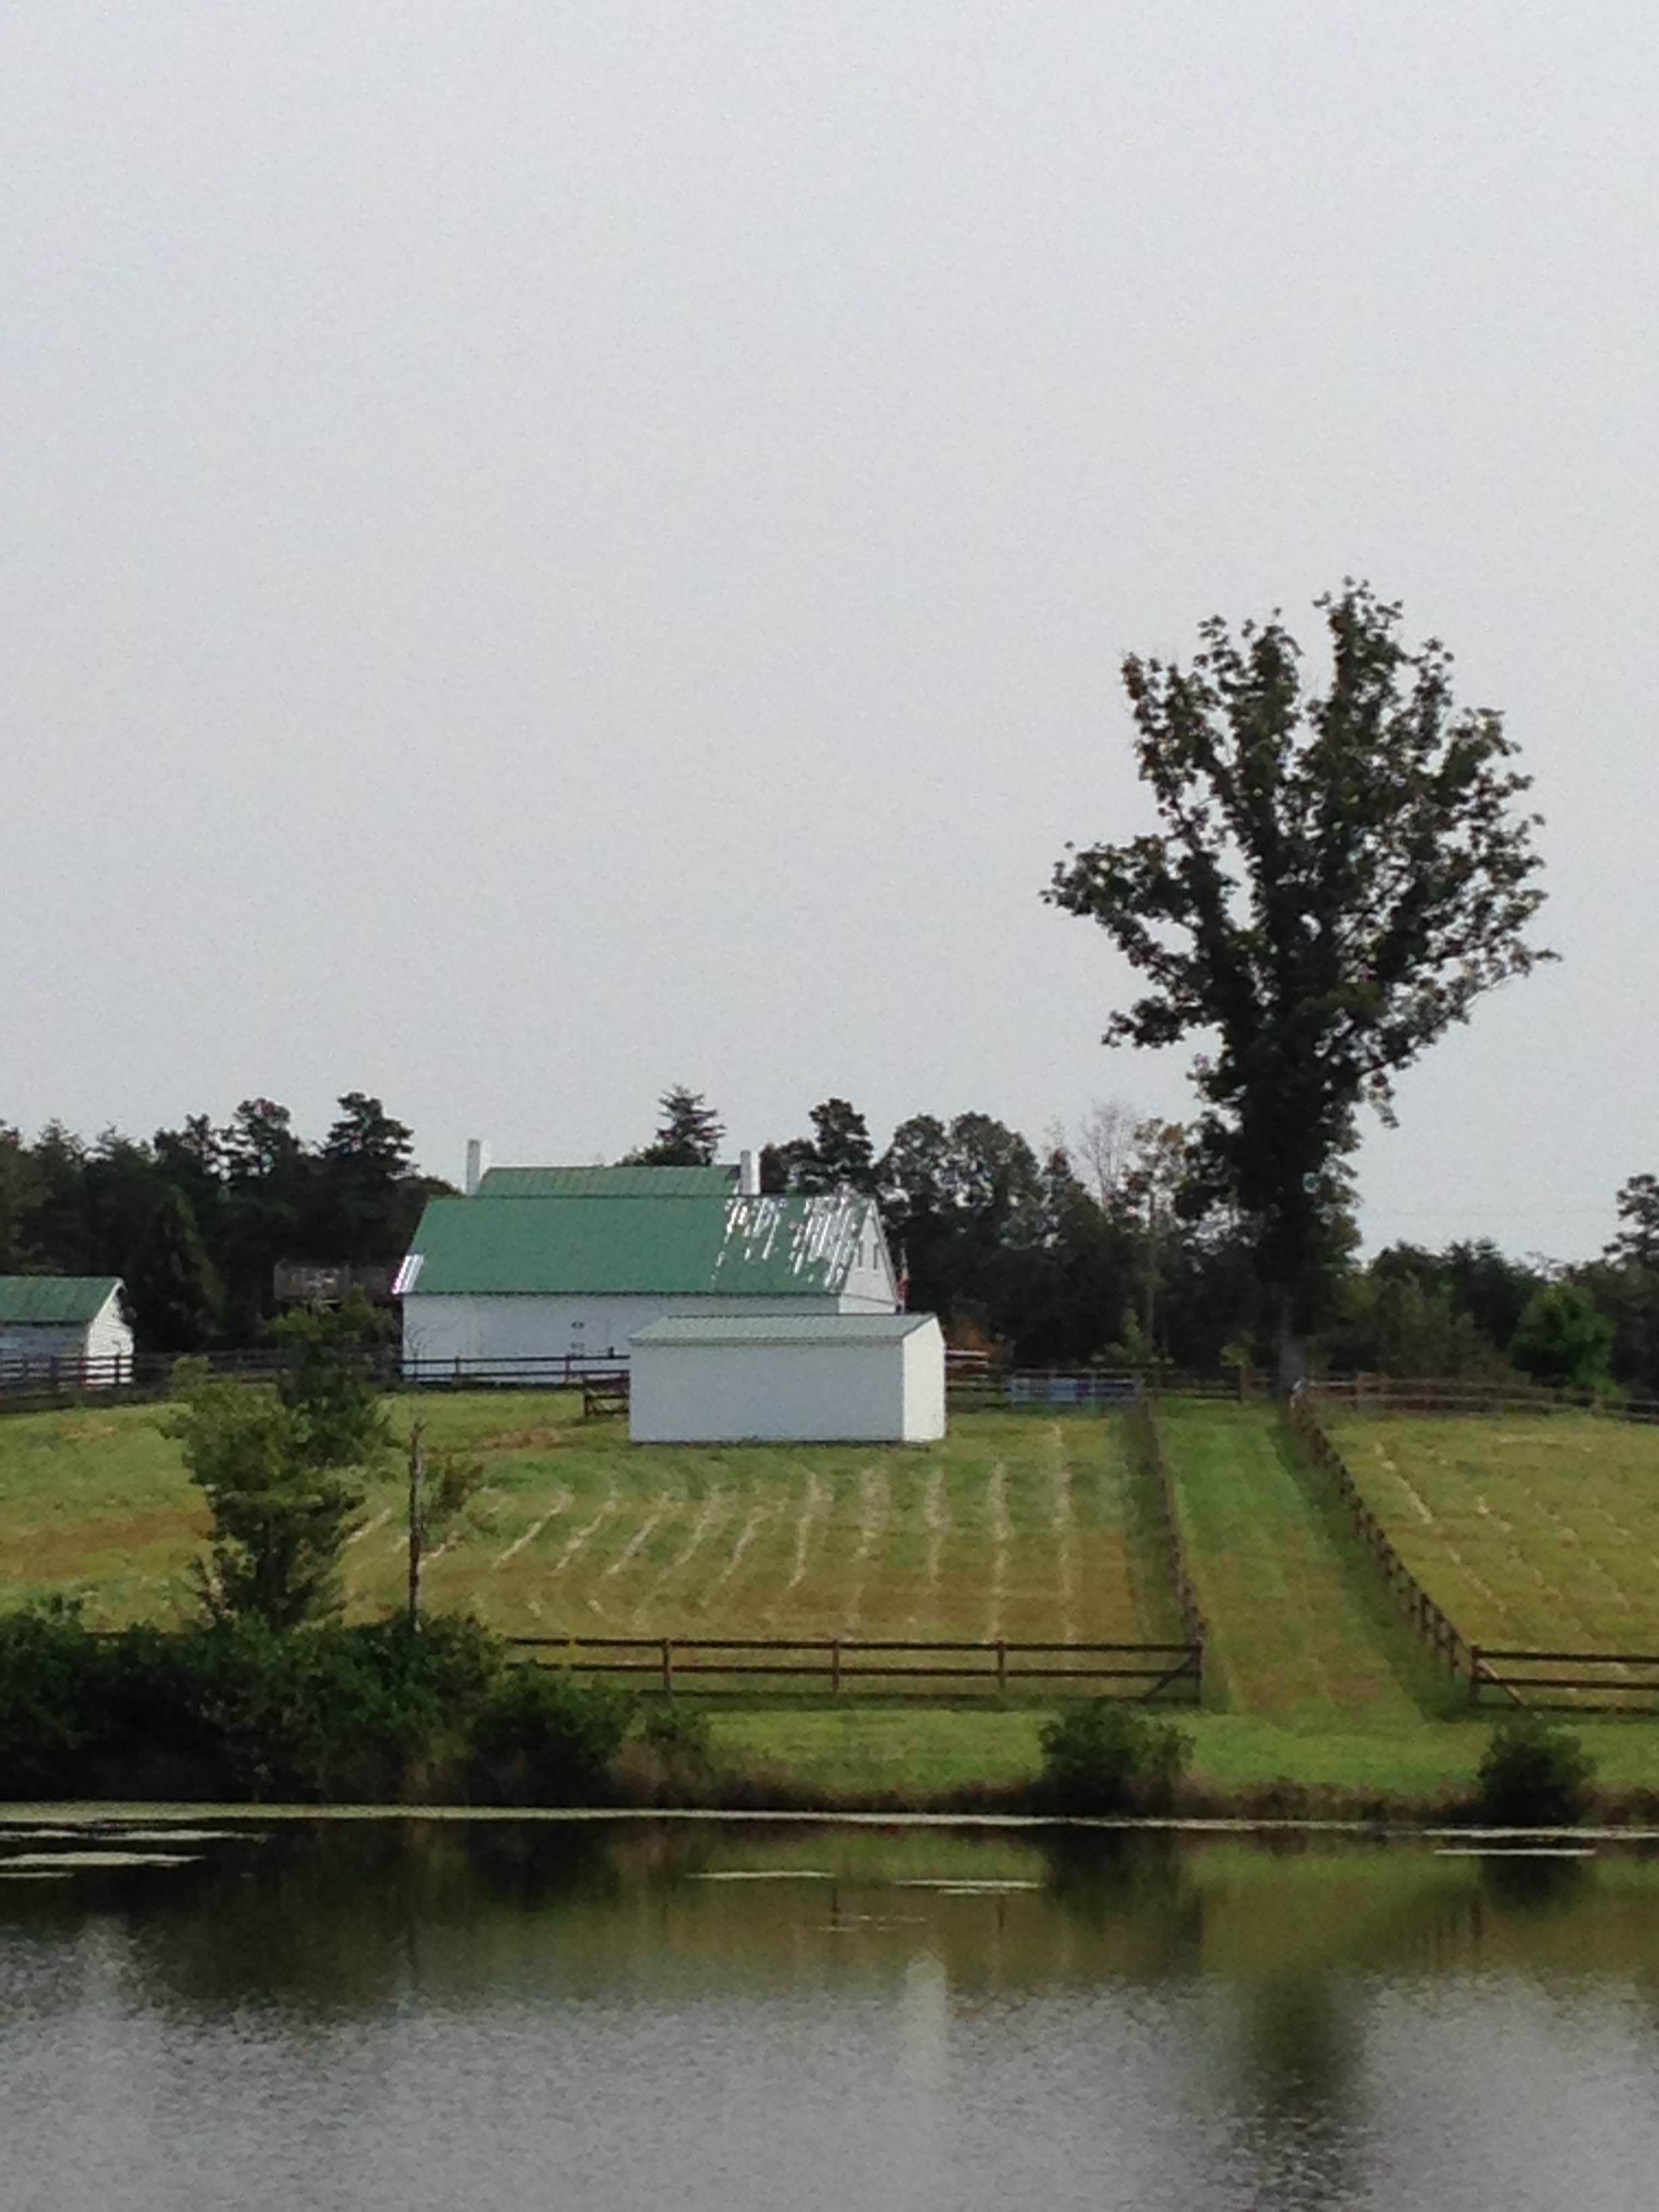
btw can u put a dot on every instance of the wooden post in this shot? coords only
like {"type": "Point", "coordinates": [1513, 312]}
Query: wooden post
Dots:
{"type": "Point", "coordinates": [835, 1668]}
{"type": "Point", "coordinates": [667, 1668]}
{"type": "Point", "coordinates": [1474, 1676]}
{"type": "Point", "coordinates": [1002, 1665]}
{"type": "Point", "coordinates": [417, 1488]}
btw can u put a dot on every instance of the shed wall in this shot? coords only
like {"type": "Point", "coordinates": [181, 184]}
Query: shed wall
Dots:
{"type": "Point", "coordinates": [891, 1391]}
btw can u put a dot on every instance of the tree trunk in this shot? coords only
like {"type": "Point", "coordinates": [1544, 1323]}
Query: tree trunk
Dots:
{"type": "Point", "coordinates": [1292, 1349]}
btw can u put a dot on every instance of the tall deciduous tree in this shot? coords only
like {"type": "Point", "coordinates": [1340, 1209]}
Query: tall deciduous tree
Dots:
{"type": "Point", "coordinates": [1336, 878]}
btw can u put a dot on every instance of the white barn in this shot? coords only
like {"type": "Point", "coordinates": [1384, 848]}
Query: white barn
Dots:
{"type": "Point", "coordinates": [832, 1378]}
{"type": "Point", "coordinates": [63, 1325]}
{"type": "Point", "coordinates": [543, 1264]}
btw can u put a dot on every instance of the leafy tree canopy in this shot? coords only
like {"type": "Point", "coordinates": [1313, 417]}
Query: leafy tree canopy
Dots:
{"type": "Point", "coordinates": [1336, 878]}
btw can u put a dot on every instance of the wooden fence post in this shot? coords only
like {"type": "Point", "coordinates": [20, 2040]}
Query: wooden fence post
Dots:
{"type": "Point", "coordinates": [835, 1667]}
{"type": "Point", "coordinates": [1002, 1664]}
{"type": "Point", "coordinates": [1474, 1676]}
{"type": "Point", "coordinates": [667, 1668]}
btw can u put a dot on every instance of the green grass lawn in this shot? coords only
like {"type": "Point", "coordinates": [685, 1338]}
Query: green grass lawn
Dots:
{"type": "Point", "coordinates": [1537, 1531]}
{"type": "Point", "coordinates": [920, 1750]}
{"type": "Point", "coordinates": [1300, 1629]}
{"type": "Point", "coordinates": [1016, 1525]}
{"type": "Point", "coordinates": [1020, 1525]}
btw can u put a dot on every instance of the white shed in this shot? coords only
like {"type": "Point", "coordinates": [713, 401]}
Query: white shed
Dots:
{"type": "Point", "coordinates": [828, 1378]}
{"type": "Point", "coordinates": [68, 1326]}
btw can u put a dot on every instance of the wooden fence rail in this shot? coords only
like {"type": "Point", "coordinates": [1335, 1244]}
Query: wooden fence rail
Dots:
{"type": "Point", "coordinates": [1602, 1681]}
{"type": "Point", "coordinates": [1393, 1393]}
{"type": "Point", "coordinates": [739, 1666]}
{"type": "Point", "coordinates": [1443, 1637]}
{"type": "Point", "coordinates": [1619, 1682]}
{"type": "Point", "coordinates": [1144, 1432]}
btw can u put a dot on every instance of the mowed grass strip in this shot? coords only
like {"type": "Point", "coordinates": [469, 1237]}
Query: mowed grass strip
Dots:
{"type": "Point", "coordinates": [1020, 1526]}
{"type": "Point", "coordinates": [1301, 1630]}
{"type": "Point", "coordinates": [1530, 1532]}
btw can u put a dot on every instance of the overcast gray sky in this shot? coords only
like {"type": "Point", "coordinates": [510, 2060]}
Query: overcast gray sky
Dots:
{"type": "Point", "coordinates": [555, 549]}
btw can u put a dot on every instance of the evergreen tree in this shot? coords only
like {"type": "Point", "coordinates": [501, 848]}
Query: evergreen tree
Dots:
{"type": "Point", "coordinates": [688, 1136]}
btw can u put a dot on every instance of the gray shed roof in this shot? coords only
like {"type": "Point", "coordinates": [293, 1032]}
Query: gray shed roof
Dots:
{"type": "Point", "coordinates": [783, 1328]}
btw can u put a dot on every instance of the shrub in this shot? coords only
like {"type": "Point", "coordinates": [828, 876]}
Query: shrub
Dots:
{"type": "Point", "coordinates": [668, 1759]}
{"type": "Point", "coordinates": [540, 1739]}
{"type": "Point", "coordinates": [51, 1702]}
{"type": "Point", "coordinates": [1100, 1756]}
{"type": "Point", "coordinates": [1533, 1775]}
{"type": "Point", "coordinates": [232, 1709]}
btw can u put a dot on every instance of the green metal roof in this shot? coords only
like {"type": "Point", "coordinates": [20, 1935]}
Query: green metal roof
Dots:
{"type": "Point", "coordinates": [607, 1182]}
{"type": "Point", "coordinates": [783, 1328]}
{"type": "Point", "coordinates": [721, 1247]}
{"type": "Point", "coordinates": [61, 1299]}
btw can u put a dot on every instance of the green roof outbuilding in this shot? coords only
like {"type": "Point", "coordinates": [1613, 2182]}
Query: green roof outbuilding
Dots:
{"type": "Point", "coordinates": [54, 1301]}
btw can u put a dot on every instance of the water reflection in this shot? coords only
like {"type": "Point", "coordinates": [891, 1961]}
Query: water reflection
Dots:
{"type": "Point", "coordinates": [441, 2013]}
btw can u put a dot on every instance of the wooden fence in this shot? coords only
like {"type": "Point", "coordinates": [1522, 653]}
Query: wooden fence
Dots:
{"type": "Point", "coordinates": [1616, 1682]}
{"type": "Point", "coordinates": [30, 1385]}
{"type": "Point", "coordinates": [1598, 1682]}
{"type": "Point", "coordinates": [1143, 1428]}
{"type": "Point", "coordinates": [1393, 1393]}
{"type": "Point", "coordinates": [842, 1665]}
{"type": "Point", "coordinates": [1441, 1635]}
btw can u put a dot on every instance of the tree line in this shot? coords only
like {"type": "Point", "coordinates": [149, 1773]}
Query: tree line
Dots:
{"type": "Point", "coordinates": [195, 1219]}
{"type": "Point", "coordinates": [1105, 1244]}
{"type": "Point", "coordinates": [1097, 1245]}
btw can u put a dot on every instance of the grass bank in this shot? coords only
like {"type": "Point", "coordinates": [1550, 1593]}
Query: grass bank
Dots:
{"type": "Point", "coordinates": [1301, 1633]}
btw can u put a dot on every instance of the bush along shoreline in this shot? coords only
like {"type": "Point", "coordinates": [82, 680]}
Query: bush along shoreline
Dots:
{"type": "Point", "coordinates": [383, 1713]}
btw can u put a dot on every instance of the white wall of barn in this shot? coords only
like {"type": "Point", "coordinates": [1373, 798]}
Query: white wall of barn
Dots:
{"type": "Point", "coordinates": [522, 1327]}
{"type": "Point", "coordinates": [108, 1336]}
{"type": "Point", "coordinates": [814, 1393]}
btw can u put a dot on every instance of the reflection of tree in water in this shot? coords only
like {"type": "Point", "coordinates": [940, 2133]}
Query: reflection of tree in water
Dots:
{"type": "Point", "coordinates": [1134, 1884]}
{"type": "Point", "coordinates": [1301, 2050]}
{"type": "Point", "coordinates": [1528, 1882]}
{"type": "Point", "coordinates": [326, 1915]}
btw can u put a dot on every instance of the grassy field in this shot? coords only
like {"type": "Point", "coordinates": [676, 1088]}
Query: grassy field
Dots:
{"type": "Point", "coordinates": [1301, 1632]}
{"type": "Point", "coordinates": [1539, 1531]}
{"type": "Point", "coordinates": [1016, 1525]}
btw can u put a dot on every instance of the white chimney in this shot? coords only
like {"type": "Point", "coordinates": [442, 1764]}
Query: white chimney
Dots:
{"type": "Point", "coordinates": [478, 1165]}
{"type": "Point", "coordinates": [748, 1176]}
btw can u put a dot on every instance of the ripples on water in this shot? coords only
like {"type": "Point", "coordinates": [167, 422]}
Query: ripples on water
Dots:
{"type": "Point", "coordinates": [414, 2015]}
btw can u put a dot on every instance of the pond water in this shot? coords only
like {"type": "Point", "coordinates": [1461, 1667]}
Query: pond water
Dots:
{"type": "Point", "coordinates": [500, 2015]}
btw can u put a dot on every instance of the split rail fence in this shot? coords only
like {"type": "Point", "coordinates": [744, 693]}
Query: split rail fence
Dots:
{"type": "Point", "coordinates": [1150, 1444]}
{"type": "Point", "coordinates": [840, 1665]}
{"type": "Point", "coordinates": [1436, 1629]}
{"type": "Point", "coordinates": [1597, 1681]}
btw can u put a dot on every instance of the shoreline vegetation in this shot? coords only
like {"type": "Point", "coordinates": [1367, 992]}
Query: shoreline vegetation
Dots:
{"type": "Point", "coordinates": [378, 1716]}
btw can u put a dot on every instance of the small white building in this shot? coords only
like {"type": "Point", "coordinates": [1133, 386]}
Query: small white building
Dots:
{"type": "Point", "coordinates": [830, 1378]}
{"type": "Point", "coordinates": [546, 1264]}
{"type": "Point", "coordinates": [70, 1326]}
